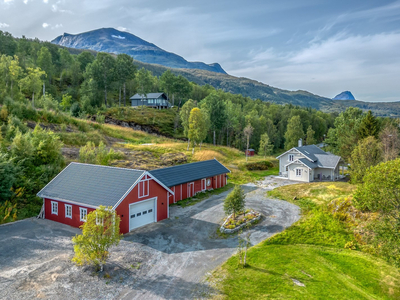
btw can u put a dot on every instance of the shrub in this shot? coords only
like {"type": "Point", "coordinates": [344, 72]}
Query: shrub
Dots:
{"type": "Point", "coordinates": [75, 109]}
{"type": "Point", "coordinates": [260, 165]}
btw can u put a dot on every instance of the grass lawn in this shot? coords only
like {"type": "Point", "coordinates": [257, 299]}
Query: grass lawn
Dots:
{"type": "Point", "coordinates": [312, 252]}
{"type": "Point", "coordinates": [327, 273]}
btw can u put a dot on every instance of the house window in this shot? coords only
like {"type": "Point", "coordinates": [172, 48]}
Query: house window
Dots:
{"type": "Point", "coordinates": [83, 214]}
{"type": "Point", "coordinates": [68, 211]}
{"type": "Point", "coordinates": [291, 157]}
{"type": "Point", "coordinates": [99, 221]}
{"type": "Point", "coordinates": [54, 208]}
{"type": "Point", "coordinates": [287, 168]}
{"type": "Point", "coordinates": [143, 188]}
{"type": "Point", "coordinates": [298, 172]}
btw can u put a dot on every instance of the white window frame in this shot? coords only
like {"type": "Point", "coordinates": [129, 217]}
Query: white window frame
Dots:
{"type": "Point", "coordinates": [68, 206]}
{"type": "Point", "coordinates": [299, 172]}
{"type": "Point", "coordinates": [291, 157]}
{"type": "Point", "coordinates": [141, 186]}
{"type": "Point", "coordinates": [54, 204]}
{"type": "Point", "coordinates": [98, 220]}
{"type": "Point", "coordinates": [81, 209]}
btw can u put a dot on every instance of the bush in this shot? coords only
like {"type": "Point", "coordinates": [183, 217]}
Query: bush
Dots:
{"type": "Point", "coordinates": [75, 109]}
{"type": "Point", "coordinates": [260, 165]}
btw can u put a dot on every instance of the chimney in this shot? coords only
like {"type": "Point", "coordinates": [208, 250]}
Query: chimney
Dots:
{"type": "Point", "coordinates": [300, 142]}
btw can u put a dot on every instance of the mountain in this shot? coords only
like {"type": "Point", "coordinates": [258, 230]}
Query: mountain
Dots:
{"type": "Point", "coordinates": [235, 85]}
{"type": "Point", "coordinates": [115, 41]}
{"type": "Point", "coordinates": [346, 95]}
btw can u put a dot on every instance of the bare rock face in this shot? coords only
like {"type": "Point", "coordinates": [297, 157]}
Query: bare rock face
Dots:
{"type": "Point", "coordinates": [170, 159]}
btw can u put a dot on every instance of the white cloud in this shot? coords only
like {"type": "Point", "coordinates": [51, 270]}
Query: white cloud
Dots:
{"type": "Point", "coordinates": [8, 1]}
{"type": "Point", "coordinates": [45, 25]}
{"type": "Point", "coordinates": [4, 25]}
{"type": "Point", "coordinates": [26, 1]}
{"type": "Point", "coordinates": [366, 65]}
{"type": "Point", "coordinates": [45, 1]}
{"type": "Point", "coordinates": [57, 26]}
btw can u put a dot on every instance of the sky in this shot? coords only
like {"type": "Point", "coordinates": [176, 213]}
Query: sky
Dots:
{"type": "Point", "coordinates": [324, 47]}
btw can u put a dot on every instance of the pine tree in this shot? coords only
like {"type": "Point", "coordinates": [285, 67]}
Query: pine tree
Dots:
{"type": "Point", "coordinates": [369, 126]}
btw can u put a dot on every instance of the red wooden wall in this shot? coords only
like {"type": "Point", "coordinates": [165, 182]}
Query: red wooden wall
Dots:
{"type": "Point", "coordinates": [216, 182]}
{"type": "Point", "coordinates": [60, 217]}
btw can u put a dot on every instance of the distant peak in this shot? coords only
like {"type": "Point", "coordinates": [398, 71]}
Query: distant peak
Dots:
{"type": "Point", "coordinates": [346, 95]}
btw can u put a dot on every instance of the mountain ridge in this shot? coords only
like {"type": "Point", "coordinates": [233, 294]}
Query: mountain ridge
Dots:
{"type": "Point", "coordinates": [114, 41]}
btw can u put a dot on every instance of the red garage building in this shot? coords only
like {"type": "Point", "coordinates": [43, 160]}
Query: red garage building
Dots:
{"type": "Point", "coordinates": [139, 197]}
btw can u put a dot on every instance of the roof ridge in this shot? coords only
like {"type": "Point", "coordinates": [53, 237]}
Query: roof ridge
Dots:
{"type": "Point", "coordinates": [185, 164]}
{"type": "Point", "coordinates": [102, 166]}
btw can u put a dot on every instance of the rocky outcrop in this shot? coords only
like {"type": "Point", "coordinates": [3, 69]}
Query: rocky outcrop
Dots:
{"type": "Point", "coordinates": [346, 95]}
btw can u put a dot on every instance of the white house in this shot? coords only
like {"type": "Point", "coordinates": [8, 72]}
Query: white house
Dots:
{"type": "Point", "coordinates": [309, 163]}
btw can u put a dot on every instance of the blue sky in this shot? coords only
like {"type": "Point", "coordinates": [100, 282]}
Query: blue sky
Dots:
{"type": "Point", "coordinates": [324, 47]}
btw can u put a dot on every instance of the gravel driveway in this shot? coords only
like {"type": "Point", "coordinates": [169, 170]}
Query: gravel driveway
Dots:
{"type": "Point", "coordinates": [165, 260]}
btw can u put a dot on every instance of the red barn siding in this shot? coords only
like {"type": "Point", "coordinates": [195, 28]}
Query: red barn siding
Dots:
{"type": "Point", "coordinates": [156, 190]}
{"type": "Point", "coordinates": [60, 217]}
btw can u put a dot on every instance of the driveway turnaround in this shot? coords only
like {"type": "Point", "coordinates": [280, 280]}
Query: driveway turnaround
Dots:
{"type": "Point", "coordinates": [165, 260]}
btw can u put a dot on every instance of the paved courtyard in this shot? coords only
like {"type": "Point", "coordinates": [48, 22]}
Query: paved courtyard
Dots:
{"type": "Point", "coordinates": [165, 260]}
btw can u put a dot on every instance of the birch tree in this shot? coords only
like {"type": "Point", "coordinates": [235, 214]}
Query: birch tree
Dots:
{"type": "Point", "coordinates": [99, 233]}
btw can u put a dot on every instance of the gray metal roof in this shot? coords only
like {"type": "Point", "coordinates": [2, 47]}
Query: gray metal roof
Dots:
{"type": "Point", "coordinates": [189, 172]}
{"type": "Point", "coordinates": [308, 163]}
{"type": "Point", "coordinates": [91, 185]}
{"type": "Point", "coordinates": [310, 151]}
{"type": "Point", "coordinates": [149, 96]}
{"type": "Point", "coordinates": [327, 160]}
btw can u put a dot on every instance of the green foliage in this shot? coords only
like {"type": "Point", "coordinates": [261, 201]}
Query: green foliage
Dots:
{"type": "Point", "coordinates": [45, 62]}
{"type": "Point", "coordinates": [75, 109]}
{"type": "Point", "coordinates": [216, 110]}
{"type": "Point", "coordinates": [369, 126]}
{"type": "Point", "coordinates": [31, 84]}
{"type": "Point", "coordinates": [380, 189]}
{"type": "Point", "coordinates": [66, 102]}
{"type": "Point", "coordinates": [99, 233]}
{"type": "Point", "coordinates": [266, 147]}
{"type": "Point", "coordinates": [97, 155]}
{"type": "Point", "coordinates": [344, 137]}
{"type": "Point", "coordinates": [185, 114]}
{"type": "Point", "coordinates": [293, 133]}
{"type": "Point", "coordinates": [368, 153]}
{"type": "Point", "coordinates": [310, 140]}
{"type": "Point", "coordinates": [8, 212]}
{"type": "Point", "coordinates": [198, 125]}
{"type": "Point", "coordinates": [235, 201]}
{"type": "Point", "coordinates": [7, 177]}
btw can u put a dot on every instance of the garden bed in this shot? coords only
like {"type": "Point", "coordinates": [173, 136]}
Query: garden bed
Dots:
{"type": "Point", "coordinates": [241, 220]}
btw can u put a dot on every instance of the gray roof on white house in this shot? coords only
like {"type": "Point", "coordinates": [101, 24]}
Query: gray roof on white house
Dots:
{"type": "Point", "coordinates": [175, 175]}
{"type": "Point", "coordinates": [91, 185]}
{"type": "Point", "coordinates": [316, 158]}
{"type": "Point", "coordinates": [149, 96]}
{"type": "Point", "coordinates": [310, 151]}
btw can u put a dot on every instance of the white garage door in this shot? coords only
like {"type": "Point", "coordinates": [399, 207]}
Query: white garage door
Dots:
{"type": "Point", "coordinates": [142, 213]}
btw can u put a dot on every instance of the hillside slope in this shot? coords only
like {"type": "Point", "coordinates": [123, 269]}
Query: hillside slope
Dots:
{"type": "Point", "coordinates": [115, 41]}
